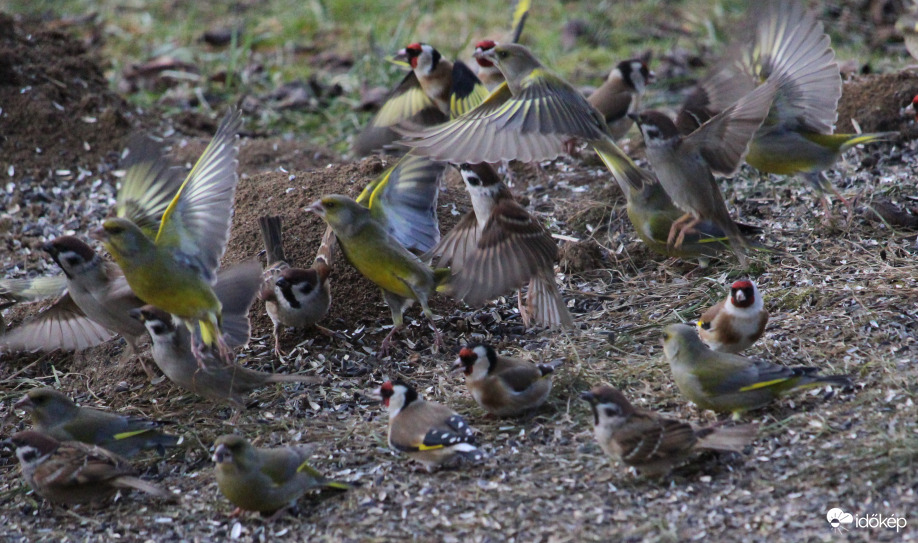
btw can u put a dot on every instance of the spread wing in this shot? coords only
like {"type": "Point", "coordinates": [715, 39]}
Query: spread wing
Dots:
{"type": "Point", "coordinates": [513, 248]}
{"type": "Point", "coordinates": [62, 326]}
{"type": "Point", "coordinates": [197, 221]}
{"type": "Point", "coordinates": [404, 199]}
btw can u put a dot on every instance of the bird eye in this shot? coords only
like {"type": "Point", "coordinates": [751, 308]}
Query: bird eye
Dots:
{"type": "Point", "coordinates": [611, 411]}
{"type": "Point", "coordinates": [502, 54]}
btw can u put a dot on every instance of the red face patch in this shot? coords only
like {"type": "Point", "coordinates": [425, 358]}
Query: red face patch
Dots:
{"type": "Point", "coordinates": [386, 391]}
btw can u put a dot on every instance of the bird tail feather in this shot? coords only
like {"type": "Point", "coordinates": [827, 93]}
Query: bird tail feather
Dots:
{"type": "Point", "coordinates": [731, 438]}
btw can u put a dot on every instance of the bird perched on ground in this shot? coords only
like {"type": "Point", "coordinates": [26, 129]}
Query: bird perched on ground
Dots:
{"type": "Point", "coordinates": [498, 247]}
{"type": "Point", "coordinates": [796, 136]}
{"type": "Point", "coordinates": [652, 213]}
{"type": "Point", "coordinates": [504, 386]}
{"type": "Point", "coordinates": [685, 166]}
{"type": "Point", "coordinates": [650, 443]}
{"type": "Point", "coordinates": [169, 234]}
{"type": "Point", "coordinates": [527, 118]}
{"type": "Point", "coordinates": [734, 324]}
{"type": "Point", "coordinates": [293, 297]}
{"type": "Point", "coordinates": [75, 473]}
{"type": "Point", "coordinates": [428, 432]}
{"type": "Point", "coordinates": [265, 480]}
{"type": "Point", "coordinates": [54, 414]}
{"type": "Point", "coordinates": [729, 383]}
{"type": "Point", "coordinates": [219, 381]}
{"type": "Point", "coordinates": [379, 257]}
{"type": "Point", "coordinates": [434, 91]}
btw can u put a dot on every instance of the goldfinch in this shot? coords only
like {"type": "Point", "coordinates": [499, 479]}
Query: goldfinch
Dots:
{"type": "Point", "coordinates": [527, 118]}
{"type": "Point", "coordinates": [427, 432]}
{"type": "Point", "coordinates": [734, 324]}
{"type": "Point", "coordinates": [504, 386]}
{"type": "Point", "coordinates": [434, 91]}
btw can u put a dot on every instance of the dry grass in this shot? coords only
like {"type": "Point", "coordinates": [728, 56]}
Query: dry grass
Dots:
{"type": "Point", "coordinates": [844, 299]}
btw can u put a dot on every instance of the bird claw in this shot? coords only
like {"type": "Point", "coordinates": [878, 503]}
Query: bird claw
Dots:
{"type": "Point", "coordinates": [386, 343]}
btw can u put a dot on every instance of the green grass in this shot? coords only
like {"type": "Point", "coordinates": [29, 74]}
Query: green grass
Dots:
{"type": "Point", "coordinates": [281, 36]}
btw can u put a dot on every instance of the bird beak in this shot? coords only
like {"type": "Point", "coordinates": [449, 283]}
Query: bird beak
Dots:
{"type": "Point", "coordinates": [99, 234]}
{"type": "Point", "coordinates": [317, 208]}
{"type": "Point", "coordinates": [588, 396]}
{"type": "Point", "coordinates": [136, 313]}
{"type": "Point", "coordinates": [635, 117]}
{"type": "Point", "coordinates": [222, 455]}
{"type": "Point", "coordinates": [651, 77]}
{"type": "Point", "coordinates": [401, 57]}
{"type": "Point", "coordinates": [24, 403]}
{"type": "Point", "coordinates": [374, 395]}
{"type": "Point", "coordinates": [486, 55]}
{"type": "Point", "coordinates": [49, 248]}
{"type": "Point", "coordinates": [457, 367]}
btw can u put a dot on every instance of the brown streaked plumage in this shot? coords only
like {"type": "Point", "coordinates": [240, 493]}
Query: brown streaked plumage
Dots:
{"type": "Point", "coordinates": [498, 247]}
{"type": "Point", "coordinates": [652, 444]}
{"type": "Point", "coordinates": [294, 297]}
{"type": "Point", "coordinates": [76, 473]}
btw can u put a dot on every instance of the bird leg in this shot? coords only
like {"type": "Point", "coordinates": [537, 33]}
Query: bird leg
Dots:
{"type": "Point", "coordinates": [679, 225]}
{"type": "Point", "coordinates": [277, 347]}
{"type": "Point", "coordinates": [524, 309]}
{"type": "Point", "coordinates": [687, 228]}
{"type": "Point", "coordinates": [386, 343]}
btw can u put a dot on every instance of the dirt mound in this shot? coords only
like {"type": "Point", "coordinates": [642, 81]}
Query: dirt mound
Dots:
{"type": "Point", "coordinates": [62, 130]}
{"type": "Point", "coordinates": [876, 102]}
{"type": "Point", "coordinates": [355, 301]}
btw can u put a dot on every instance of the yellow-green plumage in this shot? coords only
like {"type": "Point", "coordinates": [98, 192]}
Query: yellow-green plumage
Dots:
{"type": "Point", "coordinates": [265, 480]}
{"type": "Point", "coordinates": [169, 235]}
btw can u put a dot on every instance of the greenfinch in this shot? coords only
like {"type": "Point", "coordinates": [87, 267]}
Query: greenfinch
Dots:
{"type": "Point", "coordinates": [796, 137]}
{"type": "Point", "coordinates": [652, 213]}
{"type": "Point", "coordinates": [403, 199]}
{"type": "Point", "coordinates": [378, 256]}
{"type": "Point", "coordinates": [168, 235]}
{"type": "Point", "coordinates": [71, 472]}
{"type": "Point", "coordinates": [650, 443]}
{"type": "Point", "coordinates": [528, 118]}
{"type": "Point", "coordinates": [729, 383]}
{"type": "Point", "coordinates": [265, 480]}
{"type": "Point", "coordinates": [54, 414]}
